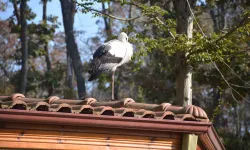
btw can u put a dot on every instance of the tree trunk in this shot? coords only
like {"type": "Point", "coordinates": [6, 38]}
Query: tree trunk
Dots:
{"type": "Point", "coordinates": [107, 23]}
{"type": "Point", "coordinates": [69, 72]}
{"type": "Point", "coordinates": [245, 118]}
{"type": "Point", "coordinates": [183, 70]}
{"type": "Point", "coordinates": [47, 59]}
{"type": "Point", "coordinates": [68, 12]}
{"type": "Point", "coordinates": [24, 47]}
{"type": "Point", "coordinates": [16, 11]}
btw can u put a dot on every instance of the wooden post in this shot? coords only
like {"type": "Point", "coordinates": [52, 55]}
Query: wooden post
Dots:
{"type": "Point", "coordinates": [183, 70]}
{"type": "Point", "coordinates": [189, 142]}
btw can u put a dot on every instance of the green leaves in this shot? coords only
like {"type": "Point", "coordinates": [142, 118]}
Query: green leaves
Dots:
{"type": "Point", "coordinates": [153, 11]}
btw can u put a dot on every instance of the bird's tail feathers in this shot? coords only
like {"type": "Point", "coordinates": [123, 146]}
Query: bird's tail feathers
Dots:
{"type": "Point", "coordinates": [94, 69]}
{"type": "Point", "coordinates": [92, 77]}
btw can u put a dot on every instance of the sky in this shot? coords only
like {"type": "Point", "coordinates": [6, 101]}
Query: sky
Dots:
{"type": "Point", "coordinates": [85, 22]}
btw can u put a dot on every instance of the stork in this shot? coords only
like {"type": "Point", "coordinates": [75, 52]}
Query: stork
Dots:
{"type": "Point", "coordinates": [109, 56]}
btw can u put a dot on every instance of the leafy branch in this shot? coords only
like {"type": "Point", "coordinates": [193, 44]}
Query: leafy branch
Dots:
{"type": "Point", "coordinates": [242, 23]}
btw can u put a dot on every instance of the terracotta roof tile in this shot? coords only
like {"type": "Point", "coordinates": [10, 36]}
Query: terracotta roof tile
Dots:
{"type": "Point", "coordinates": [123, 108]}
{"type": "Point", "coordinates": [165, 115]}
{"type": "Point", "coordinates": [83, 109]}
{"type": "Point", "coordinates": [40, 106]}
{"type": "Point", "coordinates": [126, 112]}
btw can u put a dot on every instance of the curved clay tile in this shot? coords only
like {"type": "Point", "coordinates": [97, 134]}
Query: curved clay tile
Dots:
{"type": "Point", "coordinates": [17, 104]}
{"type": "Point", "coordinates": [114, 104]}
{"type": "Point", "coordinates": [33, 100]}
{"type": "Point", "coordinates": [109, 111]}
{"type": "Point", "coordinates": [142, 113]}
{"type": "Point", "coordinates": [52, 99]}
{"type": "Point", "coordinates": [89, 101]}
{"type": "Point", "coordinates": [127, 101]}
{"type": "Point", "coordinates": [145, 106]}
{"type": "Point", "coordinates": [195, 111]}
{"type": "Point", "coordinates": [69, 101]}
{"type": "Point", "coordinates": [168, 115]}
{"type": "Point", "coordinates": [165, 106]}
{"type": "Point", "coordinates": [126, 112]}
{"type": "Point", "coordinates": [185, 117]}
{"type": "Point", "coordinates": [82, 109]}
{"type": "Point", "coordinates": [5, 98]}
{"type": "Point", "coordinates": [40, 106]}
{"type": "Point", "coordinates": [61, 108]}
{"type": "Point", "coordinates": [174, 109]}
{"type": "Point", "coordinates": [16, 96]}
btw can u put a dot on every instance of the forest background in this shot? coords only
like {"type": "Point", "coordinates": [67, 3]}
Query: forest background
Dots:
{"type": "Point", "coordinates": [186, 51]}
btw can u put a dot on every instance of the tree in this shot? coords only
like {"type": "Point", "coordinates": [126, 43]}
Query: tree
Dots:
{"type": "Point", "coordinates": [183, 69]}
{"type": "Point", "coordinates": [68, 12]}
{"type": "Point", "coordinates": [47, 58]}
{"type": "Point", "coordinates": [24, 47]}
{"type": "Point", "coordinates": [218, 52]}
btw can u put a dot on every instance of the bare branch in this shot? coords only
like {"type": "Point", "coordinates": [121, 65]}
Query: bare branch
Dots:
{"type": "Point", "coordinates": [239, 86]}
{"type": "Point", "coordinates": [242, 23]}
{"type": "Point", "coordinates": [113, 17]}
{"type": "Point", "coordinates": [239, 52]}
{"type": "Point", "coordinates": [233, 71]}
{"type": "Point", "coordinates": [127, 3]}
{"type": "Point", "coordinates": [16, 12]}
{"type": "Point", "coordinates": [195, 19]}
{"type": "Point", "coordinates": [105, 14]}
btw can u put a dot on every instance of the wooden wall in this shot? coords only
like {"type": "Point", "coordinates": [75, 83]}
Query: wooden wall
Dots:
{"type": "Point", "coordinates": [34, 136]}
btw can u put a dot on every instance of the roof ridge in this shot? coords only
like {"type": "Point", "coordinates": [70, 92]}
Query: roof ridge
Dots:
{"type": "Point", "coordinates": [124, 107]}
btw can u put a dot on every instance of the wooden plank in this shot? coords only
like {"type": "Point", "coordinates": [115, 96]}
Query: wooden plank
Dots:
{"type": "Point", "coordinates": [189, 142]}
{"type": "Point", "coordinates": [52, 134]}
{"type": "Point", "coordinates": [22, 145]}
{"type": "Point", "coordinates": [90, 141]}
{"type": "Point", "coordinates": [163, 134]}
{"type": "Point", "coordinates": [34, 137]}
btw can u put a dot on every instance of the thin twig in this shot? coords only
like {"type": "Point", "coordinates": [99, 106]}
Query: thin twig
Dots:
{"type": "Point", "coordinates": [223, 77]}
{"type": "Point", "coordinates": [242, 23]}
{"type": "Point", "coordinates": [127, 3]}
{"type": "Point", "coordinates": [113, 17]}
{"type": "Point", "coordinates": [233, 70]}
{"type": "Point", "coordinates": [105, 14]}
{"type": "Point", "coordinates": [239, 86]}
{"type": "Point", "coordinates": [195, 19]}
{"type": "Point", "coordinates": [172, 35]}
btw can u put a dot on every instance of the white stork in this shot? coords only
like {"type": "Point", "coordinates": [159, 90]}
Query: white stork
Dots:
{"type": "Point", "coordinates": [109, 56]}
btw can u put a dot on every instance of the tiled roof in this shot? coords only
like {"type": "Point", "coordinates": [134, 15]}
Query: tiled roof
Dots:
{"type": "Point", "coordinates": [124, 108]}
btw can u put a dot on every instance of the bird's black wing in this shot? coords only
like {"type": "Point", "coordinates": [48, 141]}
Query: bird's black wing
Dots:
{"type": "Point", "coordinates": [102, 61]}
{"type": "Point", "coordinates": [101, 51]}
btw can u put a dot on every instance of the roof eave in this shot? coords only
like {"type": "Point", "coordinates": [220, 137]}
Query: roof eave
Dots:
{"type": "Point", "coordinates": [205, 130]}
{"type": "Point", "coordinates": [211, 140]}
{"type": "Point", "coordinates": [55, 118]}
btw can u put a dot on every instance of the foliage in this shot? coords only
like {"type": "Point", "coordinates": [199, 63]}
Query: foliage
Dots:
{"type": "Point", "coordinates": [219, 57]}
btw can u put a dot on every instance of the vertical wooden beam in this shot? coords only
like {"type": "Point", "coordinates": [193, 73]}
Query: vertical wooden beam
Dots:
{"type": "Point", "coordinates": [189, 142]}
{"type": "Point", "coordinates": [184, 24]}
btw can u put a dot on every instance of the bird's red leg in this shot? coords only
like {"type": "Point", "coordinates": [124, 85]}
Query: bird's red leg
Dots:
{"type": "Point", "coordinates": [113, 85]}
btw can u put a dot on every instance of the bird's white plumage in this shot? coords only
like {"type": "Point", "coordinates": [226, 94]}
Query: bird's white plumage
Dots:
{"type": "Point", "coordinates": [120, 48]}
{"type": "Point", "coordinates": [111, 55]}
